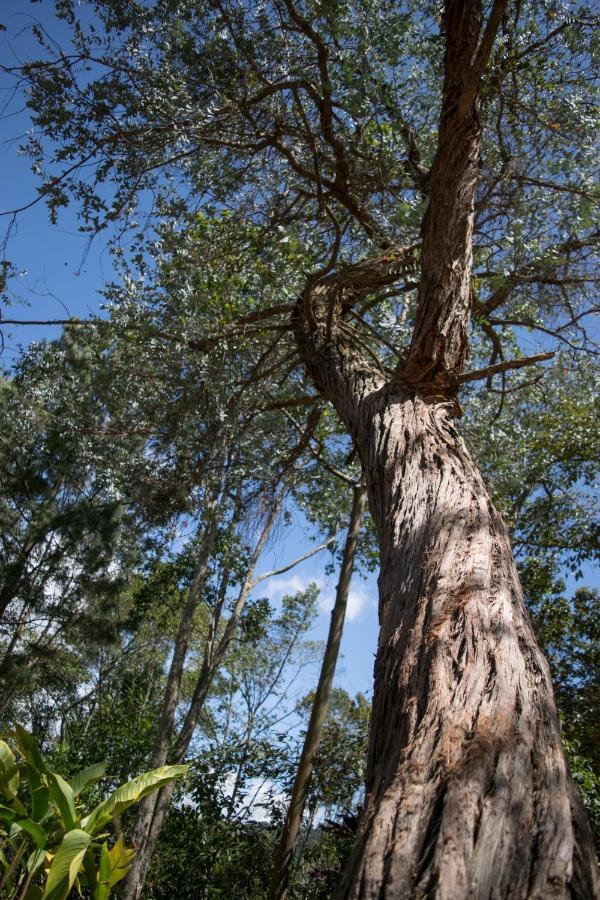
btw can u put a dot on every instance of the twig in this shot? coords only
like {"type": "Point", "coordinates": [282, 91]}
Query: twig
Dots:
{"type": "Point", "coordinates": [295, 562]}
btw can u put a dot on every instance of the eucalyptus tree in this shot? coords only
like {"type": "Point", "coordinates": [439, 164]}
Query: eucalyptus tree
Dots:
{"type": "Point", "coordinates": [441, 167]}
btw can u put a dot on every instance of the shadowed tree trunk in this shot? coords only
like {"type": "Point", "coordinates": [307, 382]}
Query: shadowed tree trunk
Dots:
{"type": "Point", "coordinates": [468, 792]}
{"type": "Point", "coordinates": [291, 828]}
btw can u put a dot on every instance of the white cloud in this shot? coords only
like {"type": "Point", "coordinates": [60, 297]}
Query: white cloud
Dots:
{"type": "Point", "coordinates": [359, 599]}
{"type": "Point", "coordinates": [275, 588]}
{"type": "Point", "coordinates": [259, 796]}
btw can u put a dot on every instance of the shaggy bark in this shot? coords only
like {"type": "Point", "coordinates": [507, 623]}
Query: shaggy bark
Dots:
{"type": "Point", "coordinates": [291, 829]}
{"type": "Point", "coordinates": [468, 792]}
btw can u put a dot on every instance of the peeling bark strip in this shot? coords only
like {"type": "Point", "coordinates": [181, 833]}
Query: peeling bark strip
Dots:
{"type": "Point", "coordinates": [468, 791]}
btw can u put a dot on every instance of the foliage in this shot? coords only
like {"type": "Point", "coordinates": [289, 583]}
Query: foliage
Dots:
{"type": "Point", "coordinates": [567, 630]}
{"type": "Point", "coordinates": [49, 844]}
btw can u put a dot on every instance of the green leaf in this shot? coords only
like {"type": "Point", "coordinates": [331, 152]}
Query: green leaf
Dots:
{"type": "Point", "coordinates": [89, 868]}
{"type": "Point", "coordinates": [35, 860]}
{"type": "Point", "coordinates": [14, 800]}
{"type": "Point", "coordinates": [62, 795]}
{"type": "Point", "coordinates": [7, 764]}
{"type": "Point", "coordinates": [130, 793]}
{"type": "Point", "coordinates": [105, 863]}
{"type": "Point", "coordinates": [87, 776]}
{"type": "Point", "coordinates": [7, 813]}
{"type": "Point", "coordinates": [121, 858]}
{"type": "Point", "coordinates": [34, 830]}
{"type": "Point", "coordinates": [29, 749]}
{"type": "Point", "coordinates": [40, 793]}
{"type": "Point", "coordinates": [40, 799]}
{"type": "Point", "coordinates": [114, 865]}
{"type": "Point", "coordinates": [66, 864]}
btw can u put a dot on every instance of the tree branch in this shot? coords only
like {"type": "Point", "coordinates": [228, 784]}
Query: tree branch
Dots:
{"type": "Point", "coordinates": [295, 562]}
{"type": "Point", "coordinates": [481, 59]}
{"type": "Point", "coordinates": [504, 367]}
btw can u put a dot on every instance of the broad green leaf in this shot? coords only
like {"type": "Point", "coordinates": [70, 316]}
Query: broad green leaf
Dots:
{"type": "Point", "coordinates": [7, 764]}
{"type": "Point", "coordinates": [7, 813]}
{"type": "Point", "coordinates": [34, 830]}
{"type": "Point", "coordinates": [114, 866]}
{"type": "Point", "coordinates": [62, 795]}
{"type": "Point", "coordinates": [130, 793]}
{"type": "Point", "coordinates": [121, 858]}
{"type": "Point", "coordinates": [87, 776]}
{"type": "Point", "coordinates": [40, 793]}
{"type": "Point", "coordinates": [35, 860]}
{"type": "Point", "coordinates": [14, 801]}
{"type": "Point", "coordinates": [29, 748]}
{"type": "Point", "coordinates": [105, 863]}
{"type": "Point", "coordinates": [40, 799]}
{"type": "Point", "coordinates": [66, 864]}
{"type": "Point", "coordinates": [89, 868]}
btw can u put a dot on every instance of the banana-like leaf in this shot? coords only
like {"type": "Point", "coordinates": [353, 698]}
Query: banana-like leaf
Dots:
{"type": "Point", "coordinates": [40, 798]}
{"type": "Point", "coordinates": [121, 859]}
{"type": "Point", "coordinates": [7, 764]}
{"type": "Point", "coordinates": [29, 748]}
{"type": "Point", "coordinates": [35, 861]}
{"type": "Point", "coordinates": [130, 793]}
{"type": "Point", "coordinates": [40, 793]}
{"type": "Point", "coordinates": [62, 795]}
{"type": "Point", "coordinates": [7, 814]}
{"type": "Point", "coordinates": [104, 869]}
{"type": "Point", "coordinates": [87, 776]}
{"type": "Point", "coordinates": [114, 865]}
{"type": "Point", "coordinates": [89, 869]}
{"type": "Point", "coordinates": [33, 829]}
{"type": "Point", "coordinates": [66, 864]}
{"type": "Point", "coordinates": [14, 800]}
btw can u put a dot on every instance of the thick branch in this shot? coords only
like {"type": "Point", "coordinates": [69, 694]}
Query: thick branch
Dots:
{"type": "Point", "coordinates": [482, 57]}
{"type": "Point", "coordinates": [439, 345]}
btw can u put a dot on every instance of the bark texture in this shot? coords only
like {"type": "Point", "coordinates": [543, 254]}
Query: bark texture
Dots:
{"type": "Point", "coordinates": [468, 791]}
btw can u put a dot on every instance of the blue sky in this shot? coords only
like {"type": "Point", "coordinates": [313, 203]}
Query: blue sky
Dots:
{"type": "Point", "coordinates": [59, 280]}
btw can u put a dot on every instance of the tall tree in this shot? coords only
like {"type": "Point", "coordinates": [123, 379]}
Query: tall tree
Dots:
{"type": "Point", "coordinates": [311, 118]}
{"type": "Point", "coordinates": [293, 820]}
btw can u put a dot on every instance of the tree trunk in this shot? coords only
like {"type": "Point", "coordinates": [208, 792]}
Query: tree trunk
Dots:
{"type": "Point", "coordinates": [153, 809]}
{"type": "Point", "coordinates": [468, 792]}
{"type": "Point", "coordinates": [291, 829]}
{"type": "Point", "coordinates": [164, 734]}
